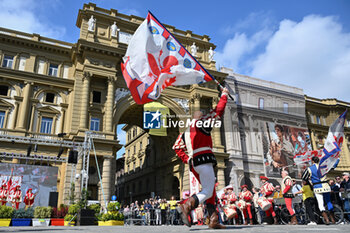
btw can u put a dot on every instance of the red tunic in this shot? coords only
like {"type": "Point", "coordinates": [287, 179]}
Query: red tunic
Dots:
{"type": "Point", "coordinates": [29, 199]}
{"type": "Point", "coordinates": [196, 140]}
{"type": "Point", "coordinates": [267, 189]}
{"type": "Point", "coordinates": [246, 196]}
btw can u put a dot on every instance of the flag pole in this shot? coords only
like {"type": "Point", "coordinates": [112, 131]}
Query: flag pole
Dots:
{"type": "Point", "coordinates": [216, 81]}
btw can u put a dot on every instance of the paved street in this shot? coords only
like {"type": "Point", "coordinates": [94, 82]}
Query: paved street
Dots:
{"type": "Point", "coordinates": [168, 229]}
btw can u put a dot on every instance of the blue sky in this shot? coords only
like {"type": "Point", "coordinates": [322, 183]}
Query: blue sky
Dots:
{"type": "Point", "coordinates": [303, 43]}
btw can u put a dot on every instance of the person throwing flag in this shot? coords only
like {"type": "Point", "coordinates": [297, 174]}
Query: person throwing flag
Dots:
{"type": "Point", "coordinates": [194, 147]}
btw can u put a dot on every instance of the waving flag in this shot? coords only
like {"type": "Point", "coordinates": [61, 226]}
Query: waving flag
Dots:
{"type": "Point", "coordinates": [155, 60]}
{"type": "Point", "coordinates": [329, 155]}
{"type": "Point", "coordinates": [333, 145]}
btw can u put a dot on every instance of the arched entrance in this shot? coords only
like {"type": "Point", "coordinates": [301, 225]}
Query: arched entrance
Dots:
{"type": "Point", "coordinates": [155, 164]}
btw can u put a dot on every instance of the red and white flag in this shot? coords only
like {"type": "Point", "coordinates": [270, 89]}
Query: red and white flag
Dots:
{"type": "Point", "coordinates": [330, 154]}
{"type": "Point", "coordinates": [155, 60]}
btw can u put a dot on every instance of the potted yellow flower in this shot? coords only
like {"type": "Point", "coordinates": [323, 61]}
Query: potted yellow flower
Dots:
{"type": "Point", "coordinates": [69, 219]}
{"type": "Point", "coordinates": [113, 217]}
{"type": "Point", "coordinates": [5, 215]}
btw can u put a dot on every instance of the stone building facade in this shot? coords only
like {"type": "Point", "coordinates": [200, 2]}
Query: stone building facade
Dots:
{"type": "Point", "coordinates": [257, 102]}
{"type": "Point", "coordinates": [50, 87]}
{"type": "Point", "coordinates": [321, 113]}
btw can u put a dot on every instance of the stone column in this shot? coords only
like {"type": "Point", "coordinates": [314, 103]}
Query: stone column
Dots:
{"type": "Point", "coordinates": [221, 177]}
{"type": "Point", "coordinates": [62, 120]}
{"type": "Point", "coordinates": [79, 167]}
{"type": "Point", "coordinates": [106, 179]}
{"type": "Point", "coordinates": [25, 106]}
{"type": "Point", "coordinates": [14, 117]}
{"type": "Point", "coordinates": [85, 101]}
{"type": "Point", "coordinates": [216, 131]}
{"type": "Point", "coordinates": [109, 104]}
{"type": "Point", "coordinates": [228, 129]}
{"type": "Point", "coordinates": [32, 118]}
{"type": "Point", "coordinates": [196, 102]}
{"type": "Point", "coordinates": [313, 140]}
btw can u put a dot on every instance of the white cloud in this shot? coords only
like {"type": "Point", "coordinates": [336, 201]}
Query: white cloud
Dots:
{"type": "Point", "coordinates": [313, 54]}
{"type": "Point", "coordinates": [239, 46]}
{"type": "Point", "coordinates": [23, 16]}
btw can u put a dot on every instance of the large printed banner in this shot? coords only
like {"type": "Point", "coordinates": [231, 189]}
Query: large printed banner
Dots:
{"type": "Point", "coordinates": [42, 180]}
{"type": "Point", "coordinates": [281, 143]}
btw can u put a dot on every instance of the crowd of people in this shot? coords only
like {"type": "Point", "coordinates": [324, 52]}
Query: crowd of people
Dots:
{"type": "Point", "coordinates": [247, 207]}
{"type": "Point", "coordinates": [152, 211]}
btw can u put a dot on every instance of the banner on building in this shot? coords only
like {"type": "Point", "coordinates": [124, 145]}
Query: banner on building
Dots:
{"type": "Point", "coordinates": [280, 144]}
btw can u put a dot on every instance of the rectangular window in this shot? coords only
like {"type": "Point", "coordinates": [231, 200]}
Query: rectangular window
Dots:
{"type": "Point", "coordinates": [285, 107]}
{"type": "Point", "coordinates": [46, 125]}
{"type": "Point", "coordinates": [318, 120]}
{"type": "Point", "coordinates": [8, 61]}
{"type": "Point", "coordinates": [134, 149]}
{"type": "Point", "coordinates": [95, 124]}
{"type": "Point", "coordinates": [50, 97]}
{"type": "Point", "coordinates": [41, 66]}
{"type": "Point", "coordinates": [141, 145]}
{"type": "Point", "coordinates": [22, 63]}
{"type": "Point", "coordinates": [261, 103]}
{"type": "Point", "coordinates": [53, 70]}
{"type": "Point", "coordinates": [4, 90]}
{"type": "Point", "coordinates": [96, 97]}
{"type": "Point", "coordinates": [65, 71]}
{"type": "Point", "coordinates": [2, 119]}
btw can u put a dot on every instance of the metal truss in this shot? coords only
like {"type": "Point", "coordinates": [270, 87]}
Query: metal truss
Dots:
{"type": "Point", "coordinates": [39, 140]}
{"type": "Point", "coordinates": [36, 157]}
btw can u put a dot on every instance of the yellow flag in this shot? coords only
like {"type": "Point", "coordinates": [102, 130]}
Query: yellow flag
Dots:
{"type": "Point", "coordinates": [154, 107]}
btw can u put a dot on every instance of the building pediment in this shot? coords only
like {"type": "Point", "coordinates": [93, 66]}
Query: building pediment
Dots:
{"type": "Point", "coordinates": [48, 109]}
{"type": "Point", "coordinates": [4, 103]}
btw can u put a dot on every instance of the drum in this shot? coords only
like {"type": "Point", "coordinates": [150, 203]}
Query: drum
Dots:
{"type": "Point", "coordinates": [242, 204]}
{"type": "Point", "coordinates": [264, 203]}
{"type": "Point", "coordinates": [230, 211]}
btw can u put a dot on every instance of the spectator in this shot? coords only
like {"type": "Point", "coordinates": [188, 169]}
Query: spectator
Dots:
{"type": "Point", "coordinates": [163, 208]}
{"type": "Point", "coordinates": [172, 205]}
{"type": "Point", "coordinates": [158, 212]}
{"type": "Point", "coordinates": [309, 201]}
{"type": "Point", "coordinates": [335, 189]}
{"type": "Point", "coordinates": [147, 211]}
{"type": "Point", "coordinates": [338, 181]}
{"type": "Point", "coordinates": [345, 188]}
{"type": "Point", "coordinates": [278, 192]}
{"type": "Point", "coordinates": [296, 187]}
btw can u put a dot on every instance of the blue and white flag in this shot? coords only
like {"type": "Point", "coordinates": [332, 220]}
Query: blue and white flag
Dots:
{"type": "Point", "coordinates": [333, 144]}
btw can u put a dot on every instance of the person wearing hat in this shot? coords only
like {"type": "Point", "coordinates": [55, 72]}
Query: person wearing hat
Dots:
{"type": "Point", "coordinates": [345, 187]}
{"type": "Point", "coordinates": [4, 191]}
{"type": "Point", "coordinates": [230, 198]}
{"type": "Point", "coordinates": [288, 195]}
{"type": "Point", "coordinates": [267, 190]}
{"type": "Point", "coordinates": [195, 147]}
{"type": "Point", "coordinates": [3, 194]}
{"type": "Point", "coordinates": [247, 196]}
{"type": "Point", "coordinates": [29, 198]}
{"type": "Point", "coordinates": [17, 197]}
{"type": "Point", "coordinates": [321, 189]}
